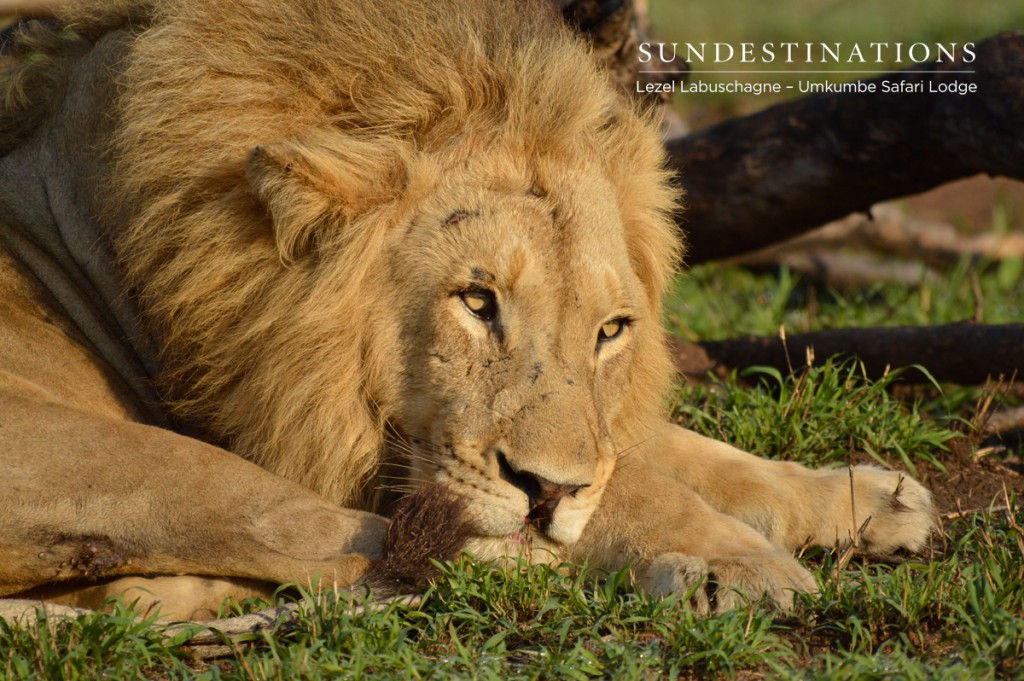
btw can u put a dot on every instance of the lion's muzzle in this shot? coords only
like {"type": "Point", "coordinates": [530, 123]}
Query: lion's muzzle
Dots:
{"type": "Point", "coordinates": [544, 495]}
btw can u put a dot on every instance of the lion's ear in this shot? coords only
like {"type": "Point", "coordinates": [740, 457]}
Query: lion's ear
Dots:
{"type": "Point", "coordinates": [314, 187]}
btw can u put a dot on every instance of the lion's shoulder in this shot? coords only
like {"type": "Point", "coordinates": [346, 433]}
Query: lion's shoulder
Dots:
{"type": "Point", "coordinates": [43, 355]}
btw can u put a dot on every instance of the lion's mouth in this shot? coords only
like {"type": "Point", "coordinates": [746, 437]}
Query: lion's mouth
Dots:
{"type": "Point", "coordinates": [540, 516]}
{"type": "Point", "coordinates": [486, 508]}
{"type": "Point", "coordinates": [544, 495]}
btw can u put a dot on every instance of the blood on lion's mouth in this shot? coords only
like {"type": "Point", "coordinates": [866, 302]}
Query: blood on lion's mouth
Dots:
{"type": "Point", "coordinates": [528, 533]}
{"type": "Point", "coordinates": [537, 522]}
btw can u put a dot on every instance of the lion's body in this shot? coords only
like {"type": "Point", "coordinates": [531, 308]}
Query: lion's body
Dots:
{"type": "Point", "coordinates": [347, 240]}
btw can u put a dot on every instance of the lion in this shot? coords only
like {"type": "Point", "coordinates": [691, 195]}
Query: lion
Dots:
{"type": "Point", "coordinates": [268, 266]}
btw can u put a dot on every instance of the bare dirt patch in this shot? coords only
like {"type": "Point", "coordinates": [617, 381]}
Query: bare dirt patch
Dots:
{"type": "Point", "coordinates": [973, 484]}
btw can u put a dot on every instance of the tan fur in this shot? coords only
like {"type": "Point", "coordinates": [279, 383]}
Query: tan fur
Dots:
{"type": "Point", "coordinates": [298, 194]}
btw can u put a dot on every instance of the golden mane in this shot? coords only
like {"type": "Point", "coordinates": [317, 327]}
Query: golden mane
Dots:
{"type": "Point", "coordinates": [361, 105]}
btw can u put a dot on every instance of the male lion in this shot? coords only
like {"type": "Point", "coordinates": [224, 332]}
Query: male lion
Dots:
{"type": "Point", "coordinates": [261, 257]}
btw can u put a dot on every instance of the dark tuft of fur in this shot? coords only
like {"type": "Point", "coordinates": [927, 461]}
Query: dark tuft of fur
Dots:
{"type": "Point", "coordinates": [37, 57]}
{"type": "Point", "coordinates": [429, 524]}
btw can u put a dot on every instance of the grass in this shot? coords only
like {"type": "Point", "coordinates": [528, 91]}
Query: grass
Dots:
{"type": "Point", "coordinates": [817, 416]}
{"type": "Point", "coordinates": [714, 301]}
{"type": "Point", "coordinates": [821, 414]}
{"type": "Point", "coordinates": [958, 615]}
{"type": "Point", "coordinates": [114, 645]}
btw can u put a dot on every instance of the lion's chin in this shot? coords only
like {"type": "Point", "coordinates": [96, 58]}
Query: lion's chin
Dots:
{"type": "Point", "coordinates": [528, 545]}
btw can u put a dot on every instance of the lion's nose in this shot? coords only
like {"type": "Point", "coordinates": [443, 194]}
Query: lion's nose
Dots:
{"type": "Point", "coordinates": [544, 494]}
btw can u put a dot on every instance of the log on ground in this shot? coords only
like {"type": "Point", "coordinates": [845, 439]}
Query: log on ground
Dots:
{"type": "Point", "coordinates": [964, 353]}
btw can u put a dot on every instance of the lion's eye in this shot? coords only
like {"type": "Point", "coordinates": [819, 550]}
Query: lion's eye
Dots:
{"type": "Point", "coordinates": [480, 303]}
{"type": "Point", "coordinates": [612, 329]}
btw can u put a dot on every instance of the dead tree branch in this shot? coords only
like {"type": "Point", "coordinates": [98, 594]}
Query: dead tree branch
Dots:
{"type": "Point", "coordinates": [761, 179]}
{"type": "Point", "coordinates": [938, 244]}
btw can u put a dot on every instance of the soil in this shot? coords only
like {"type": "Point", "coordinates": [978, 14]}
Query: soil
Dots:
{"type": "Point", "coordinates": [971, 483]}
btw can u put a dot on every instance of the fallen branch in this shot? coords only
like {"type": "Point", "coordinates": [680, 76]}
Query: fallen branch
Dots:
{"type": "Point", "coordinates": [890, 231]}
{"type": "Point", "coordinates": [850, 271]}
{"type": "Point", "coordinates": [22, 611]}
{"type": "Point", "coordinates": [221, 638]}
{"type": "Point", "coordinates": [991, 510]}
{"type": "Point", "coordinates": [761, 179]}
{"type": "Point", "coordinates": [1005, 420]}
{"type": "Point", "coordinates": [963, 353]}
{"type": "Point", "coordinates": [204, 640]}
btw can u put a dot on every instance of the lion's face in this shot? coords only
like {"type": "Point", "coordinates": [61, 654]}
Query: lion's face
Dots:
{"type": "Point", "coordinates": [519, 341]}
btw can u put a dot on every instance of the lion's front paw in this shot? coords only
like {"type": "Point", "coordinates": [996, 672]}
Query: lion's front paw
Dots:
{"type": "Point", "coordinates": [722, 584]}
{"type": "Point", "coordinates": [900, 508]}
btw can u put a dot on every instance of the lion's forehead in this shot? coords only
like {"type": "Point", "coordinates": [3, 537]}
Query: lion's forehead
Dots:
{"type": "Point", "coordinates": [566, 250]}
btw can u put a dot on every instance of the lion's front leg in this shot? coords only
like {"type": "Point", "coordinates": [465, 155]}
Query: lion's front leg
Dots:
{"type": "Point", "coordinates": [679, 544]}
{"type": "Point", "coordinates": [793, 505]}
{"type": "Point", "coordinates": [85, 497]}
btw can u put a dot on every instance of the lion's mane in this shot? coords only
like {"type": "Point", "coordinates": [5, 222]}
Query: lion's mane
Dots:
{"type": "Point", "coordinates": [264, 302]}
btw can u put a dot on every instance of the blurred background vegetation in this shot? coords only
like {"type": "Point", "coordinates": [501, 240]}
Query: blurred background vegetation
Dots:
{"type": "Point", "coordinates": [828, 21]}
